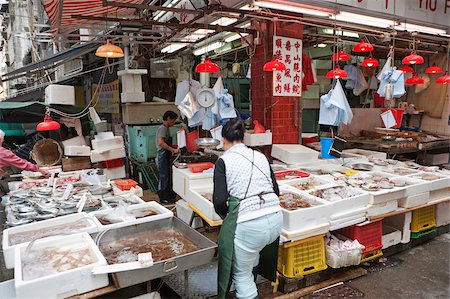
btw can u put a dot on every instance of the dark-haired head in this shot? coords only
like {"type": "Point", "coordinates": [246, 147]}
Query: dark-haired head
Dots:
{"type": "Point", "coordinates": [169, 118]}
{"type": "Point", "coordinates": [233, 132]}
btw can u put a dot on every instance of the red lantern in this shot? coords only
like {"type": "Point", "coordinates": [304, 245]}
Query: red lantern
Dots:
{"type": "Point", "coordinates": [274, 65]}
{"type": "Point", "coordinates": [407, 69]}
{"type": "Point", "coordinates": [415, 80]}
{"type": "Point", "coordinates": [48, 124]}
{"type": "Point", "coordinates": [340, 56]}
{"type": "Point", "coordinates": [369, 62]}
{"type": "Point", "coordinates": [207, 67]}
{"type": "Point", "coordinates": [413, 59]}
{"type": "Point", "coordinates": [363, 47]}
{"type": "Point", "coordinates": [337, 73]}
{"type": "Point", "coordinates": [444, 79]}
{"type": "Point", "coordinates": [434, 69]}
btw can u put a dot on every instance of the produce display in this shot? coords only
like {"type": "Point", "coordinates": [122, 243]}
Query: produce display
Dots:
{"type": "Point", "coordinates": [308, 184]}
{"type": "Point", "coordinates": [291, 201]}
{"type": "Point", "coordinates": [163, 244]}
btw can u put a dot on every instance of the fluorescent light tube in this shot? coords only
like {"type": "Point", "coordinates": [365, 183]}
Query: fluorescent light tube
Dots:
{"type": "Point", "coordinates": [196, 35]}
{"type": "Point", "coordinates": [363, 20]}
{"type": "Point", "coordinates": [173, 47]}
{"type": "Point", "coordinates": [224, 21]}
{"type": "Point", "coordinates": [234, 37]}
{"type": "Point", "coordinates": [419, 28]}
{"type": "Point", "coordinates": [294, 7]}
{"type": "Point", "coordinates": [208, 48]}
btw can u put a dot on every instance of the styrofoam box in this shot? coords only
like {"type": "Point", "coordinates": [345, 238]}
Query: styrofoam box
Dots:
{"type": "Point", "coordinates": [64, 284]}
{"type": "Point", "coordinates": [77, 150]}
{"type": "Point", "coordinates": [184, 212]}
{"type": "Point", "coordinates": [115, 173]}
{"type": "Point", "coordinates": [203, 205]}
{"type": "Point", "coordinates": [293, 153]}
{"type": "Point", "coordinates": [323, 182]}
{"type": "Point", "coordinates": [390, 236]}
{"type": "Point", "coordinates": [184, 180]}
{"type": "Point", "coordinates": [295, 235]}
{"type": "Point", "coordinates": [402, 222]}
{"type": "Point", "coordinates": [415, 186]}
{"type": "Point", "coordinates": [98, 156]}
{"type": "Point", "coordinates": [439, 194]}
{"type": "Point", "coordinates": [414, 200]}
{"type": "Point", "coordinates": [379, 209]}
{"type": "Point", "coordinates": [252, 139]}
{"type": "Point", "coordinates": [344, 222]}
{"type": "Point", "coordinates": [132, 97]}
{"type": "Point", "coordinates": [8, 250]}
{"type": "Point", "coordinates": [305, 218]}
{"type": "Point", "coordinates": [384, 195]}
{"type": "Point", "coordinates": [278, 167]}
{"type": "Point", "coordinates": [443, 213]}
{"type": "Point", "coordinates": [163, 213]}
{"type": "Point", "coordinates": [409, 170]}
{"type": "Point", "coordinates": [441, 183]}
{"type": "Point", "coordinates": [108, 144]}
{"type": "Point", "coordinates": [60, 94]}
{"type": "Point", "coordinates": [365, 153]}
{"type": "Point", "coordinates": [75, 141]}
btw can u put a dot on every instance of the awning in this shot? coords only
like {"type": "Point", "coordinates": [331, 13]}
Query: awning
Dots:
{"type": "Point", "coordinates": [19, 105]}
{"type": "Point", "coordinates": [50, 61]}
{"type": "Point", "coordinates": [60, 12]}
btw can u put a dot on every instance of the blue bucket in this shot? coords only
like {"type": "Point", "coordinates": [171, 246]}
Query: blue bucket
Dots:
{"type": "Point", "coordinates": [326, 144]}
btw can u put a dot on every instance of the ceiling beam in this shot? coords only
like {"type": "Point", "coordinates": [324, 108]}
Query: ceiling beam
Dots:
{"type": "Point", "coordinates": [152, 7]}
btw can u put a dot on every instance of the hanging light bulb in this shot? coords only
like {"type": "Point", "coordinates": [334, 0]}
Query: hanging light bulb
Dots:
{"type": "Point", "coordinates": [444, 79]}
{"type": "Point", "coordinates": [363, 47]}
{"type": "Point", "coordinates": [369, 62]}
{"type": "Point", "coordinates": [407, 69]}
{"type": "Point", "coordinates": [109, 50]}
{"type": "Point", "coordinates": [274, 65]}
{"type": "Point", "coordinates": [48, 124]}
{"type": "Point", "coordinates": [434, 69]}
{"type": "Point", "coordinates": [340, 56]}
{"type": "Point", "coordinates": [337, 73]}
{"type": "Point", "coordinates": [207, 66]}
{"type": "Point", "coordinates": [413, 59]}
{"type": "Point", "coordinates": [414, 80]}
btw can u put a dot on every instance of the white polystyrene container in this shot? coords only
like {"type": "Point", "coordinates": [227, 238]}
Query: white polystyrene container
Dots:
{"type": "Point", "coordinates": [99, 156]}
{"type": "Point", "coordinates": [103, 145]}
{"type": "Point", "coordinates": [415, 186]}
{"type": "Point", "coordinates": [184, 181]}
{"type": "Point", "coordinates": [138, 191]}
{"type": "Point", "coordinates": [59, 94]}
{"type": "Point", "coordinates": [293, 153]}
{"type": "Point", "coordinates": [162, 214]}
{"type": "Point", "coordinates": [251, 139]}
{"type": "Point", "coordinates": [305, 218]}
{"type": "Point", "coordinates": [347, 221]}
{"type": "Point", "coordinates": [441, 183]}
{"type": "Point", "coordinates": [203, 205]}
{"type": "Point", "coordinates": [8, 249]}
{"type": "Point", "coordinates": [63, 284]}
{"type": "Point", "coordinates": [414, 200]}
{"type": "Point", "coordinates": [383, 208]}
{"type": "Point", "coordinates": [77, 150]}
{"type": "Point", "coordinates": [115, 173]}
{"type": "Point", "coordinates": [365, 153]}
{"type": "Point", "coordinates": [443, 213]}
{"type": "Point", "coordinates": [402, 222]}
{"type": "Point", "coordinates": [390, 236]}
{"type": "Point", "coordinates": [439, 194]}
{"type": "Point", "coordinates": [322, 182]}
{"type": "Point", "coordinates": [384, 195]}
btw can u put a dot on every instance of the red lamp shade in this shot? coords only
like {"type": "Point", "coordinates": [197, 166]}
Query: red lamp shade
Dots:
{"type": "Point", "coordinates": [434, 69]}
{"type": "Point", "coordinates": [413, 59]}
{"type": "Point", "coordinates": [337, 73]}
{"type": "Point", "coordinates": [363, 47]}
{"type": "Point", "coordinates": [207, 66]}
{"type": "Point", "coordinates": [48, 124]}
{"type": "Point", "coordinates": [274, 65]}
{"type": "Point", "coordinates": [407, 69]}
{"type": "Point", "coordinates": [369, 62]}
{"type": "Point", "coordinates": [340, 56]}
{"type": "Point", "coordinates": [415, 80]}
{"type": "Point", "coordinates": [444, 79]}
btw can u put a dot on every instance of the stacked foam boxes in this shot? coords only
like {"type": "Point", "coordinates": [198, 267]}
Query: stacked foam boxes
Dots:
{"type": "Point", "coordinates": [109, 150]}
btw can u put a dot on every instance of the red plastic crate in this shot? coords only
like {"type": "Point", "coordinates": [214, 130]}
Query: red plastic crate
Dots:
{"type": "Point", "coordinates": [114, 163]}
{"type": "Point", "coordinates": [200, 166]}
{"type": "Point", "coordinates": [290, 174]}
{"type": "Point", "coordinates": [125, 185]}
{"type": "Point", "coordinates": [368, 235]}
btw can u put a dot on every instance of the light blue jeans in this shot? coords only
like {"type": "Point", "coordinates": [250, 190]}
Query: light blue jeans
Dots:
{"type": "Point", "coordinates": [250, 238]}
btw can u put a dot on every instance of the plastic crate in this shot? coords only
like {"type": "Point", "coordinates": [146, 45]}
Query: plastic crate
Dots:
{"type": "Point", "coordinates": [114, 163]}
{"type": "Point", "coordinates": [369, 256]}
{"type": "Point", "coordinates": [369, 235]}
{"type": "Point", "coordinates": [423, 233]}
{"type": "Point", "coordinates": [302, 257]}
{"type": "Point", "coordinates": [125, 184]}
{"type": "Point", "coordinates": [423, 219]}
{"type": "Point", "coordinates": [200, 166]}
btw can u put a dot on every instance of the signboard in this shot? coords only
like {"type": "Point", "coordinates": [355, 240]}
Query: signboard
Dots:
{"type": "Point", "coordinates": [108, 97]}
{"type": "Point", "coordinates": [288, 83]}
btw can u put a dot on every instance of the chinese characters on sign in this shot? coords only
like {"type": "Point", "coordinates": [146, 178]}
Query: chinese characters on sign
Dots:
{"type": "Point", "coordinates": [288, 82]}
{"type": "Point", "coordinates": [107, 97]}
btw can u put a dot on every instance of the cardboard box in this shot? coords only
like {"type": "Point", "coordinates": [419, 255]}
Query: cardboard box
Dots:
{"type": "Point", "coordinates": [76, 163]}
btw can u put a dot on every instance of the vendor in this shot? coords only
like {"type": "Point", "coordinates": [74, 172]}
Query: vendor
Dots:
{"type": "Point", "coordinates": [7, 159]}
{"type": "Point", "coordinates": [164, 156]}
{"type": "Point", "coordinates": [246, 197]}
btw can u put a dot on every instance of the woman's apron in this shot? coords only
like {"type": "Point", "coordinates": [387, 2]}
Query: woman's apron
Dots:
{"type": "Point", "coordinates": [164, 163]}
{"type": "Point", "coordinates": [268, 259]}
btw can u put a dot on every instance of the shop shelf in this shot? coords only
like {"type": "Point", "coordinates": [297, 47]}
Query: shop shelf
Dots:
{"type": "Point", "coordinates": [423, 233]}
{"type": "Point", "coordinates": [302, 257]}
{"type": "Point", "coordinates": [371, 255]}
{"type": "Point", "coordinates": [369, 235]}
{"type": "Point", "coordinates": [423, 219]}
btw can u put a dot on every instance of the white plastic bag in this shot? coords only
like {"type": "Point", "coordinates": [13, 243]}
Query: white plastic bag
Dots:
{"type": "Point", "coordinates": [361, 83]}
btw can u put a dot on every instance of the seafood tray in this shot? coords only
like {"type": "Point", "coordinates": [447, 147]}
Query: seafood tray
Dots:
{"type": "Point", "coordinates": [401, 171]}
{"type": "Point", "coordinates": [290, 175]}
{"type": "Point", "coordinates": [365, 153]}
{"type": "Point", "coordinates": [411, 186]}
{"type": "Point", "coordinates": [134, 214]}
{"type": "Point", "coordinates": [304, 218]}
{"type": "Point", "coordinates": [203, 253]}
{"type": "Point", "coordinates": [70, 224]}
{"type": "Point", "coordinates": [310, 183]}
{"type": "Point", "coordinates": [58, 267]}
{"type": "Point", "coordinates": [204, 205]}
{"type": "Point", "coordinates": [437, 181]}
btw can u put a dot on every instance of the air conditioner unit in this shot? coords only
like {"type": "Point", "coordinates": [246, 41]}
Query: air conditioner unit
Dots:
{"type": "Point", "coordinates": [60, 94]}
{"type": "Point", "coordinates": [69, 69]}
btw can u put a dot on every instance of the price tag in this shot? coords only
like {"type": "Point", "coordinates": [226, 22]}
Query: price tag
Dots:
{"type": "Point", "coordinates": [50, 180]}
{"type": "Point", "coordinates": [66, 194]}
{"type": "Point", "coordinates": [82, 202]}
{"type": "Point", "coordinates": [145, 259]}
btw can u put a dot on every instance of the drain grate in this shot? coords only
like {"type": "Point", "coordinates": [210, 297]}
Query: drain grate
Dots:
{"type": "Point", "coordinates": [339, 291]}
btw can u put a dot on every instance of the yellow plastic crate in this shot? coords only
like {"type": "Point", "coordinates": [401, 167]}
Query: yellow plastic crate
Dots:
{"type": "Point", "coordinates": [371, 255]}
{"type": "Point", "coordinates": [423, 219]}
{"type": "Point", "coordinates": [302, 257]}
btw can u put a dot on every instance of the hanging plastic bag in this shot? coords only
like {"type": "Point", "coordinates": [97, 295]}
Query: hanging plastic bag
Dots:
{"type": "Point", "coordinates": [258, 127]}
{"type": "Point", "coordinates": [226, 105]}
{"type": "Point", "coordinates": [188, 105]}
{"type": "Point", "coordinates": [389, 92]}
{"type": "Point", "coordinates": [361, 83]}
{"type": "Point", "coordinates": [385, 68]}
